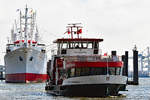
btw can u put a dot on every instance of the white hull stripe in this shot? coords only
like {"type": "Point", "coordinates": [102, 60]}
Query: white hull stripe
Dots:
{"type": "Point", "coordinates": [96, 79]}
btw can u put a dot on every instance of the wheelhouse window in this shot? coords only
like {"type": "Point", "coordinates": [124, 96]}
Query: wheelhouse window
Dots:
{"type": "Point", "coordinates": [71, 45]}
{"type": "Point", "coordinates": [78, 45]}
{"type": "Point", "coordinates": [90, 45]}
{"type": "Point", "coordinates": [64, 45]}
{"type": "Point", "coordinates": [95, 45]}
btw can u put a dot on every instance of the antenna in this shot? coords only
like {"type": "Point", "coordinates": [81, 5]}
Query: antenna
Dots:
{"type": "Point", "coordinates": [75, 29]}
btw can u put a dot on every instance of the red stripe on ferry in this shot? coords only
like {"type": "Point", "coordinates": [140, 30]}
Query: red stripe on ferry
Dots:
{"type": "Point", "coordinates": [94, 64]}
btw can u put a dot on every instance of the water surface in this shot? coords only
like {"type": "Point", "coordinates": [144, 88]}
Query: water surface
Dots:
{"type": "Point", "coordinates": [35, 91]}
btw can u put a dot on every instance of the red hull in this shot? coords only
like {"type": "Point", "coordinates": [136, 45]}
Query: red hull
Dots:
{"type": "Point", "coordinates": [26, 78]}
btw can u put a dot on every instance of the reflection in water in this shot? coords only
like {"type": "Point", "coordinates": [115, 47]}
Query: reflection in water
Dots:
{"type": "Point", "coordinates": [35, 91]}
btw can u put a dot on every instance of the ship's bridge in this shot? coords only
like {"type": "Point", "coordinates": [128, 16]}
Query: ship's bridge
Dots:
{"type": "Point", "coordinates": [77, 46]}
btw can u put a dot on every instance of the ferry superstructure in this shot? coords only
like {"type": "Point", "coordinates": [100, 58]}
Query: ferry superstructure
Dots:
{"type": "Point", "coordinates": [25, 58]}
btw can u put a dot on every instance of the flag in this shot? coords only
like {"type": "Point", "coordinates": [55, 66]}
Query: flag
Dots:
{"type": "Point", "coordinates": [105, 54]}
{"type": "Point", "coordinates": [79, 31]}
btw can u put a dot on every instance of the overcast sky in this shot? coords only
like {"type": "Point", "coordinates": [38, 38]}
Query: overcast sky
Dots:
{"type": "Point", "coordinates": [121, 23]}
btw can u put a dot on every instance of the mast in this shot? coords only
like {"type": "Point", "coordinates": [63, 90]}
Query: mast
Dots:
{"type": "Point", "coordinates": [25, 29]}
{"type": "Point", "coordinates": [37, 34]}
{"type": "Point", "coordinates": [20, 27]}
{"type": "Point", "coordinates": [12, 34]}
{"type": "Point", "coordinates": [32, 27]}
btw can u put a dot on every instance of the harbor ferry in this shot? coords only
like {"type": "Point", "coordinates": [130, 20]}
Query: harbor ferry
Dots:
{"type": "Point", "coordinates": [25, 57]}
{"type": "Point", "coordinates": [79, 69]}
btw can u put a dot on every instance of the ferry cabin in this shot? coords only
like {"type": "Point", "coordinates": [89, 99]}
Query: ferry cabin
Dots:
{"type": "Point", "coordinates": [81, 57]}
{"type": "Point", "coordinates": [77, 46]}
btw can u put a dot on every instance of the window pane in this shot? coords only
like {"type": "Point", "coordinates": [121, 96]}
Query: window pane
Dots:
{"type": "Point", "coordinates": [72, 72]}
{"type": "Point", "coordinates": [118, 71]}
{"type": "Point", "coordinates": [84, 45]}
{"type": "Point", "coordinates": [78, 71]}
{"type": "Point", "coordinates": [71, 45]}
{"type": "Point", "coordinates": [98, 71]}
{"type": "Point", "coordinates": [64, 45]}
{"type": "Point", "coordinates": [68, 73]}
{"type": "Point", "coordinates": [84, 71]}
{"type": "Point", "coordinates": [96, 45]}
{"type": "Point", "coordinates": [90, 45]}
{"type": "Point", "coordinates": [111, 70]}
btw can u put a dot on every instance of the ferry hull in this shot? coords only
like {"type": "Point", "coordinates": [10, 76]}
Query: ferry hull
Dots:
{"type": "Point", "coordinates": [88, 90]}
{"type": "Point", "coordinates": [89, 86]}
{"type": "Point", "coordinates": [25, 65]}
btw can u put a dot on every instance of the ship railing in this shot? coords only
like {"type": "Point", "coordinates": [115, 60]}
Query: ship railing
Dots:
{"type": "Point", "coordinates": [94, 58]}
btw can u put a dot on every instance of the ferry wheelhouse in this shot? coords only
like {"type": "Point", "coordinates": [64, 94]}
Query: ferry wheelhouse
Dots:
{"type": "Point", "coordinates": [79, 69]}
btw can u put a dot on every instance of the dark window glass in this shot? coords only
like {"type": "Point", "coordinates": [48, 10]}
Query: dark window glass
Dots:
{"type": "Point", "coordinates": [78, 70]}
{"type": "Point", "coordinates": [98, 71]}
{"type": "Point", "coordinates": [31, 58]}
{"type": "Point", "coordinates": [118, 70]}
{"type": "Point", "coordinates": [68, 72]}
{"type": "Point", "coordinates": [84, 71]}
{"type": "Point", "coordinates": [112, 71]}
{"type": "Point", "coordinates": [20, 58]}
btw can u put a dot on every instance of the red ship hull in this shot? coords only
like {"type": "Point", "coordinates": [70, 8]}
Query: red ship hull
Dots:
{"type": "Point", "coordinates": [26, 78]}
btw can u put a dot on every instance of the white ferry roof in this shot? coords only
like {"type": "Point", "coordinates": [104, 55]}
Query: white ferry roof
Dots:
{"type": "Point", "coordinates": [65, 40]}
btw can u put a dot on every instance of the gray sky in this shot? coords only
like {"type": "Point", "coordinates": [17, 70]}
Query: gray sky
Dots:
{"type": "Point", "coordinates": [122, 23]}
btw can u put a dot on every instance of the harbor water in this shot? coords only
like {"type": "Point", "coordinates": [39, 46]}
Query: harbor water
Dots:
{"type": "Point", "coordinates": [35, 91]}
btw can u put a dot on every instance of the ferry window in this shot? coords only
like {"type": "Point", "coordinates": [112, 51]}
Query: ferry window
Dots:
{"type": "Point", "coordinates": [31, 58]}
{"type": "Point", "coordinates": [77, 45]}
{"type": "Point", "coordinates": [78, 71]}
{"type": "Point", "coordinates": [72, 72]}
{"type": "Point", "coordinates": [71, 46]}
{"type": "Point", "coordinates": [90, 45]}
{"type": "Point", "coordinates": [118, 70]}
{"type": "Point", "coordinates": [64, 45]}
{"type": "Point", "coordinates": [84, 45]}
{"type": "Point", "coordinates": [62, 73]}
{"type": "Point", "coordinates": [112, 71]}
{"type": "Point", "coordinates": [95, 45]}
{"type": "Point", "coordinates": [98, 71]}
{"type": "Point", "coordinates": [68, 73]}
{"type": "Point", "coordinates": [20, 58]}
{"type": "Point", "coordinates": [84, 71]}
